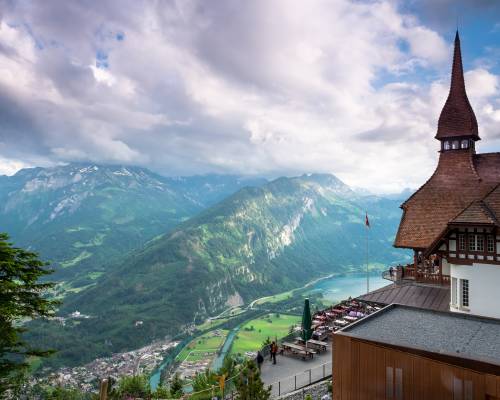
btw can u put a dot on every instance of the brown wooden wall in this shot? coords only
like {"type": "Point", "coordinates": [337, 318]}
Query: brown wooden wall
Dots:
{"type": "Point", "coordinates": [359, 373]}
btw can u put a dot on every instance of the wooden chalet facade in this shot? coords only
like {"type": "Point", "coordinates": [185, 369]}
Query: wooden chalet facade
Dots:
{"type": "Point", "coordinates": [452, 222]}
{"type": "Point", "coordinates": [439, 335]}
{"type": "Point", "coordinates": [376, 358]}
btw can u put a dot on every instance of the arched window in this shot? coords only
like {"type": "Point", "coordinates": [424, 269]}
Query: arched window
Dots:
{"type": "Point", "coordinates": [454, 145]}
{"type": "Point", "coordinates": [447, 145]}
{"type": "Point", "coordinates": [464, 144]}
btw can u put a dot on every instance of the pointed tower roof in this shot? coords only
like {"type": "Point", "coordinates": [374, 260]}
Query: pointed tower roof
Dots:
{"type": "Point", "coordinates": [457, 117]}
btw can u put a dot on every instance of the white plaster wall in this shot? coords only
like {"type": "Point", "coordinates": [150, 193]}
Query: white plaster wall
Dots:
{"type": "Point", "coordinates": [445, 266]}
{"type": "Point", "coordinates": [484, 288]}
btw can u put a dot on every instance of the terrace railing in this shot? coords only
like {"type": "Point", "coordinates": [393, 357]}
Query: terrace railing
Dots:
{"type": "Point", "coordinates": [302, 380]}
{"type": "Point", "coordinates": [419, 274]}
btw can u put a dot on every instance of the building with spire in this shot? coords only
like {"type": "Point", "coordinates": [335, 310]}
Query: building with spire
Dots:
{"type": "Point", "coordinates": [439, 336]}
{"type": "Point", "coordinates": [452, 222]}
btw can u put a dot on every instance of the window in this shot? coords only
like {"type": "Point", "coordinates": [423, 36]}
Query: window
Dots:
{"type": "Point", "coordinates": [454, 291]}
{"type": "Point", "coordinates": [476, 242]}
{"type": "Point", "coordinates": [472, 243]}
{"type": "Point", "coordinates": [461, 241]}
{"type": "Point", "coordinates": [457, 388]}
{"type": "Point", "coordinates": [447, 145]}
{"type": "Point", "coordinates": [468, 393]}
{"type": "Point", "coordinates": [464, 144]}
{"type": "Point", "coordinates": [389, 383]}
{"type": "Point", "coordinates": [479, 243]}
{"type": "Point", "coordinates": [398, 392]}
{"type": "Point", "coordinates": [464, 285]}
{"type": "Point", "coordinates": [393, 383]}
{"type": "Point", "coordinates": [454, 145]}
{"type": "Point", "coordinates": [490, 244]}
{"type": "Point", "coordinates": [462, 389]}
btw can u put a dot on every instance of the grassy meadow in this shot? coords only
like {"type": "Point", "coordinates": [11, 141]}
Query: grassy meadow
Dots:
{"type": "Point", "coordinates": [254, 332]}
{"type": "Point", "coordinates": [208, 343]}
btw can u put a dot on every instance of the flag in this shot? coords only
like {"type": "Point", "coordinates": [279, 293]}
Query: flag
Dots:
{"type": "Point", "coordinates": [367, 221]}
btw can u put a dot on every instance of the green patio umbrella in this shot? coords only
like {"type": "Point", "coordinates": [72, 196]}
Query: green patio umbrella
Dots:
{"type": "Point", "coordinates": [306, 322]}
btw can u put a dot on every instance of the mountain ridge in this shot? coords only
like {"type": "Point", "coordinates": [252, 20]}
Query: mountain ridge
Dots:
{"type": "Point", "coordinates": [257, 241]}
{"type": "Point", "coordinates": [79, 216]}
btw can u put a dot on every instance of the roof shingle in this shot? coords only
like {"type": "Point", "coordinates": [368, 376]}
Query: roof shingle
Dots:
{"type": "Point", "coordinates": [455, 184]}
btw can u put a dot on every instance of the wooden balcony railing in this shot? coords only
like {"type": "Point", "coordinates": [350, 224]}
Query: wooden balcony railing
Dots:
{"type": "Point", "coordinates": [410, 273]}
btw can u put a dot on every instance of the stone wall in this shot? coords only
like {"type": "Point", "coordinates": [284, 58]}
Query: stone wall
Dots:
{"type": "Point", "coordinates": [317, 391]}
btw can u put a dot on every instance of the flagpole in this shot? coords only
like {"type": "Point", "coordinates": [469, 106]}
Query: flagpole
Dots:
{"type": "Point", "coordinates": [367, 227]}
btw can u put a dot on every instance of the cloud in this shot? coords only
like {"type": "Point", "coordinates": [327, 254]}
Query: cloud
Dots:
{"type": "Point", "coordinates": [9, 166]}
{"type": "Point", "coordinates": [258, 87]}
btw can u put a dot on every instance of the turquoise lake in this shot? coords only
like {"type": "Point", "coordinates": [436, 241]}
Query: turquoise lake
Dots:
{"type": "Point", "coordinates": [341, 287]}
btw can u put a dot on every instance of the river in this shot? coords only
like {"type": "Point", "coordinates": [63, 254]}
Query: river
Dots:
{"type": "Point", "coordinates": [334, 288]}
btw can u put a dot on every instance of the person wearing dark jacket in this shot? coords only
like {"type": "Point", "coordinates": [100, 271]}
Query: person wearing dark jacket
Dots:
{"type": "Point", "coordinates": [260, 359]}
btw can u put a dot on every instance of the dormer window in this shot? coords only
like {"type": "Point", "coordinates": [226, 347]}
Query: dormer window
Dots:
{"type": "Point", "coordinates": [447, 145]}
{"type": "Point", "coordinates": [454, 145]}
{"type": "Point", "coordinates": [464, 144]}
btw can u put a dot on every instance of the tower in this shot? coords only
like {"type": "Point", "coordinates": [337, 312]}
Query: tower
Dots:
{"type": "Point", "coordinates": [457, 126]}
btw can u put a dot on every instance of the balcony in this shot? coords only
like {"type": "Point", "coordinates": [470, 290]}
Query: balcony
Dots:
{"type": "Point", "coordinates": [420, 274]}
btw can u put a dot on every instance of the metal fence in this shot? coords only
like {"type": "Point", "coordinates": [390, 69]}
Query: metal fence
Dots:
{"type": "Point", "coordinates": [301, 380]}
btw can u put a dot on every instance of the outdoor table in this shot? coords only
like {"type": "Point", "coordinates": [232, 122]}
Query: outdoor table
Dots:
{"type": "Point", "coordinates": [320, 345]}
{"type": "Point", "coordinates": [298, 348]}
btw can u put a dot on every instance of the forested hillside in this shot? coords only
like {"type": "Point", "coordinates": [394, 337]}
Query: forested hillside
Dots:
{"type": "Point", "coordinates": [82, 217]}
{"type": "Point", "coordinates": [259, 241]}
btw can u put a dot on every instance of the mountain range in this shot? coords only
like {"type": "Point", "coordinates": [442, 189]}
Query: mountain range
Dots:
{"type": "Point", "coordinates": [172, 252]}
{"type": "Point", "coordinates": [79, 217]}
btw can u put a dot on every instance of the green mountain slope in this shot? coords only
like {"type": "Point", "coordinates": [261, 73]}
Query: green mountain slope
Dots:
{"type": "Point", "coordinates": [259, 241]}
{"type": "Point", "coordinates": [80, 217]}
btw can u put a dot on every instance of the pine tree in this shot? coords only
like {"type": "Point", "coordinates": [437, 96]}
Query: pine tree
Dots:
{"type": "Point", "coordinates": [176, 386]}
{"type": "Point", "coordinates": [249, 384]}
{"type": "Point", "coordinates": [22, 297]}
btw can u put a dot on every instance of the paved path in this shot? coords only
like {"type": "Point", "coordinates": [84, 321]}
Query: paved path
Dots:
{"type": "Point", "coordinates": [289, 367]}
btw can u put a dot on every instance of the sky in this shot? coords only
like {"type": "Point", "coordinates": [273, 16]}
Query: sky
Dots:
{"type": "Point", "coordinates": [259, 87]}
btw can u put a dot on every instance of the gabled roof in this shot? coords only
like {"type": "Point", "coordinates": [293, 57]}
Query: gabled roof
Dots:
{"type": "Point", "coordinates": [476, 213]}
{"type": "Point", "coordinates": [457, 117]}
{"type": "Point", "coordinates": [461, 181]}
{"type": "Point", "coordinates": [455, 184]}
{"type": "Point", "coordinates": [492, 201]}
{"type": "Point", "coordinates": [480, 212]}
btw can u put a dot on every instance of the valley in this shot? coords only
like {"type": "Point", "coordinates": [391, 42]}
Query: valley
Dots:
{"type": "Point", "coordinates": [172, 253]}
{"type": "Point", "coordinates": [268, 317]}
